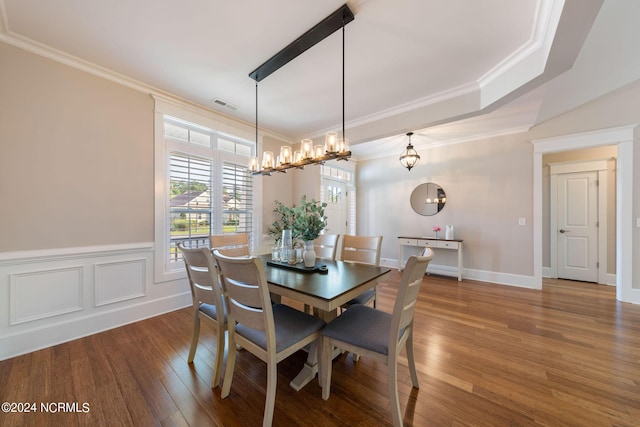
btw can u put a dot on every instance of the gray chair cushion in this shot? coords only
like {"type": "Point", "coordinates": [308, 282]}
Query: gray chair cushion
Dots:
{"type": "Point", "coordinates": [291, 326]}
{"type": "Point", "coordinates": [362, 326]}
{"type": "Point", "coordinates": [209, 310]}
{"type": "Point", "coordinates": [363, 298]}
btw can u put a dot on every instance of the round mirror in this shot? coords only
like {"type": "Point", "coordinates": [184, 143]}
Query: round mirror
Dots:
{"type": "Point", "coordinates": [428, 199]}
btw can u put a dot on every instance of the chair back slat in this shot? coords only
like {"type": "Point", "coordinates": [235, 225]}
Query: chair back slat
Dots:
{"type": "Point", "coordinates": [231, 245]}
{"type": "Point", "coordinates": [243, 292]}
{"type": "Point", "coordinates": [326, 245]}
{"type": "Point", "coordinates": [247, 315]}
{"type": "Point", "coordinates": [235, 252]}
{"type": "Point", "coordinates": [362, 249]}
{"type": "Point", "coordinates": [203, 287]}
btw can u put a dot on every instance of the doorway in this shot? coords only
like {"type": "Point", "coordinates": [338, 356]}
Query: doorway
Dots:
{"type": "Point", "coordinates": [337, 205]}
{"type": "Point", "coordinates": [579, 225]}
{"type": "Point", "coordinates": [623, 139]}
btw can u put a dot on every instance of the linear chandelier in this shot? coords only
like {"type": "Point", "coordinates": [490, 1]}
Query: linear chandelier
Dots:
{"type": "Point", "coordinates": [334, 148]}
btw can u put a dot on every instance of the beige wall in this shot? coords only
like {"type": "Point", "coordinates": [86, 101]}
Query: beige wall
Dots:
{"type": "Point", "coordinates": [76, 157]}
{"type": "Point", "coordinates": [488, 185]}
{"type": "Point", "coordinates": [76, 169]}
{"type": "Point", "coordinates": [618, 108]}
{"type": "Point", "coordinates": [276, 187]}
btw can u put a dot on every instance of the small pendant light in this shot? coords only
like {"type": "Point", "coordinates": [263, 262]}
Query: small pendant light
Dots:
{"type": "Point", "coordinates": [409, 157]}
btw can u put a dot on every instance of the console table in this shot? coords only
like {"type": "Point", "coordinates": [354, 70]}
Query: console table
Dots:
{"type": "Point", "coordinates": [430, 242]}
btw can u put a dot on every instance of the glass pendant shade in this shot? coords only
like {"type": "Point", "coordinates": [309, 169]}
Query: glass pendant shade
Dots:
{"type": "Point", "coordinates": [297, 157]}
{"type": "Point", "coordinates": [267, 160]}
{"type": "Point", "coordinates": [285, 155]}
{"type": "Point", "coordinates": [409, 157]}
{"type": "Point", "coordinates": [306, 148]}
{"type": "Point", "coordinates": [330, 142]}
{"type": "Point", "coordinates": [253, 165]}
{"type": "Point", "coordinates": [343, 145]}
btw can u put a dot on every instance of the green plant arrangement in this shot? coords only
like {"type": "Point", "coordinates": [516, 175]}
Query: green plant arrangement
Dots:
{"type": "Point", "coordinates": [305, 221]}
{"type": "Point", "coordinates": [284, 221]}
{"type": "Point", "coordinates": [309, 219]}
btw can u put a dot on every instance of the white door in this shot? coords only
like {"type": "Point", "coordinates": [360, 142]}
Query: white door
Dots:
{"type": "Point", "coordinates": [578, 226]}
{"type": "Point", "coordinates": [336, 210]}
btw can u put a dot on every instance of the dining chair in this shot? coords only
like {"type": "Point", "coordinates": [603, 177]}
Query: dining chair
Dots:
{"type": "Point", "coordinates": [207, 301]}
{"type": "Point", "coordinates": [270, 332]}
{"type": "Point", "coordinates": [231, 244]}
{"type": "Point", "coordinates": [374, 333]}
{"type": "Point", "coordinates": [326, 246]}
{"type": "Point", "coordinates": [364, 250]}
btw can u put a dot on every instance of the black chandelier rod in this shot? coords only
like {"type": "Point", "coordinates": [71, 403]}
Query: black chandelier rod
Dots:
{"type": "Point", "coordinates": [313, 36]}
{"type": "Point", "coordinates": [256, 117]}
{"type": "Point", "coordinates": [343, 24]}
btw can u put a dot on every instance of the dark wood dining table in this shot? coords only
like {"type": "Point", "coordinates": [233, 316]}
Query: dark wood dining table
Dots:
{"type": "Point", "coordinates": [325, 292]}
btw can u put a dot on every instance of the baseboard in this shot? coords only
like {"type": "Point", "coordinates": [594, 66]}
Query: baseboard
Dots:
{"type": "Point", "coordinates": [498, 278]}
{"type": "Point", "coordinates": [471, 274]}
{"type": "Point", "coordinates": [610, 277]}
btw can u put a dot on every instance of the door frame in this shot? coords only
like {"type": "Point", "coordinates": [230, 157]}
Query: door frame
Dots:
{"type": "Point", "coordinates": [623, 138]}
{"type": "Point", "coordinates": [328, 180]}
{"type": "Point", "coordinates": [555, 169]}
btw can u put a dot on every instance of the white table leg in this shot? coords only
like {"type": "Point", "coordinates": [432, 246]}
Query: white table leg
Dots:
{"type": "Point", "coordinates": [459, 263]}
{"type": "Point", "coordinates": [310, 368]}
{"type": "Point", "coordinates": [308, 372]}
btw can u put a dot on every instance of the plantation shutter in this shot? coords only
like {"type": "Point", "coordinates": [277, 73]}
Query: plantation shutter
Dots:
{"type": "Point", "coordinates": [190, 201]}
{"type": "Point", "coordinates": [237, 199]}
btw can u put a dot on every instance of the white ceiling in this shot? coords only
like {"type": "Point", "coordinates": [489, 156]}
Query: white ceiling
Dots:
{"type": "Point", "coordinates": [410, 64]}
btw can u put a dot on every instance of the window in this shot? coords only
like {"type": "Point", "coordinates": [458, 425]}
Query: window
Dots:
{"type": "Point", "coordinates": [190, 208]}
{"type": "Point", "coordinates": [208, 188]}
{"type": "Point", "coordinates": [336, 173]}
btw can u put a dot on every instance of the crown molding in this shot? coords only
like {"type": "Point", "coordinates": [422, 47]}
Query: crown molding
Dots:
{"type": "Point", "coordinates": [521, 66]}
{"type": "Point", "coordinates": [29, 45]}
{"type": "Point", "coordinates": [538, 46]}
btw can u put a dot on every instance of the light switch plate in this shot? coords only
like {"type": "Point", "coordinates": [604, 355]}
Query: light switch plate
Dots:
{"type": "Point", "coordinates": [523, 221]}
{"type": "Point", "coordinates": [637, 222]}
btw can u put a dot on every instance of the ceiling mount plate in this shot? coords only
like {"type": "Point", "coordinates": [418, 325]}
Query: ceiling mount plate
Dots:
{"type": "Point", "coordinates": [315, 35]}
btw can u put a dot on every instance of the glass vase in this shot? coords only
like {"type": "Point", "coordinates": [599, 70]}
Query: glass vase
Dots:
{"type": "Point", "coordinates": [287, 245]}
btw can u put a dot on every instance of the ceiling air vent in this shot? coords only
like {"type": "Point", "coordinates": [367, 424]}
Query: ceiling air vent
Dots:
{"type": "Point", "coordinates": [222, 103]}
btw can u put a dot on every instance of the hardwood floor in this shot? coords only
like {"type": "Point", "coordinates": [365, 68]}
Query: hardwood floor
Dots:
{"type": "Point", "coordinates": [487, 355]}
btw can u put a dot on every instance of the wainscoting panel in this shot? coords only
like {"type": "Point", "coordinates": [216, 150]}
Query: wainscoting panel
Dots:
{"type": "Point", "coordinates": [119, 281]}
{"type": "Point", "coordinates": [35, 295]}
{"type": "Point", "coordinates": [58, 295]}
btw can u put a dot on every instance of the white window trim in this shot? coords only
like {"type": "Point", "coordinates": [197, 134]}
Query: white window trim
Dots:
{"type": "Point", "coordinates": [166, 106]}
